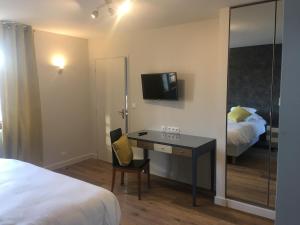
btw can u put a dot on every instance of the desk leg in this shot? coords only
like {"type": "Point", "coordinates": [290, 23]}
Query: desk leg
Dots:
{"type": "Point", "coordinates": [146, 154]}
{"type": "Point", "coordinates": [213, 169]}
{"type": "Point", "coordinates": [194, 176]}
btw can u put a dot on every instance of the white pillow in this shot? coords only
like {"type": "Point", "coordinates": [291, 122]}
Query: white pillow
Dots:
{"type": "Point", "coordinates": [255, 117]}
{"type": "Point", "coordinates": [250, 110]}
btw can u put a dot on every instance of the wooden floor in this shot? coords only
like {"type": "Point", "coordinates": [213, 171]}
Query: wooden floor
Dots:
{"type": "Point", "coordinates": [166, 203]}
{"type": "Point", "coordinates": [247, 180]}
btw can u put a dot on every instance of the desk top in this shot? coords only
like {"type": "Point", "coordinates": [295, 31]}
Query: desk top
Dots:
{"type": "Point", "coordinates": [179, 140]}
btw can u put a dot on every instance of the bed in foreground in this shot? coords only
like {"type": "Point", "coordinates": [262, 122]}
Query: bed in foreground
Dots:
{"type": "Point", "coordinates": [36, 196]}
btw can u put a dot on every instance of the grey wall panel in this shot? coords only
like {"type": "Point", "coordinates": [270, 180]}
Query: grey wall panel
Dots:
{"type": "Point", "coordinates": [288, 192]}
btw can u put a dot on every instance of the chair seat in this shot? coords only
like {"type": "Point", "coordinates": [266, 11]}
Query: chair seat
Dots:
{"type": "Point", "coordinates": [136, 164]}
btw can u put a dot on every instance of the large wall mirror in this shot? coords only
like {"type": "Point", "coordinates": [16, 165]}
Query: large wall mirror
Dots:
{"type": "Point", "coordinates": [253, 102]}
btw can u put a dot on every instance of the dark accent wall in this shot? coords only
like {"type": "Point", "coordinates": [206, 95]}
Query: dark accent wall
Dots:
{"type": "Point", "coordinates": [250, 79]}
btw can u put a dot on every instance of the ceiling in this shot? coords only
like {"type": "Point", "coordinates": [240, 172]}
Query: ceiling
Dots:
{"type": "Point", "coordinates": [255, 25]}
{"type": "Point", "coordinates": [72, 17]}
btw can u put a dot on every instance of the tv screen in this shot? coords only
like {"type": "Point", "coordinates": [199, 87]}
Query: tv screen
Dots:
{"type": "Point", "coordinates": [160, 86]}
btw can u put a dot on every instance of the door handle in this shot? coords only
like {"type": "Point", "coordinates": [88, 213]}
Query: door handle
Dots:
{"type": "Point", "coordinates": [123, 113]}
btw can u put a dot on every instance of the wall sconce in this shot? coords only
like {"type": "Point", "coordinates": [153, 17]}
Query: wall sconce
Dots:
{"type": "Point", "coordinates": [59, 62]}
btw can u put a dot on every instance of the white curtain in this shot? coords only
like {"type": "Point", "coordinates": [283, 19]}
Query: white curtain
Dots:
{"type": "Point", "coordinates": [20, 97]}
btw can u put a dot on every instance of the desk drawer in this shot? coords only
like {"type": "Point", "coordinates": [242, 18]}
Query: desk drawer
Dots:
{"type": "Point", "coordinates": [182, 151]}
{"type": "Point", "coordinates": [145, 145]}
{"type": "Point", "coordinates": [163, 148]}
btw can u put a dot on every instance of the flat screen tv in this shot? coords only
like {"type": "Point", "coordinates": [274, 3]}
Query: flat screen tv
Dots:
{"type": "Point", "coordinates": [160, 86]}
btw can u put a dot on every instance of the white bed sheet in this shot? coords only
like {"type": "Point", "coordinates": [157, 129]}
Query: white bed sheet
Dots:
{"type": "Point", "coordinates": [244, 132]}
{"type": "Point", "coordinates": [30, 195]}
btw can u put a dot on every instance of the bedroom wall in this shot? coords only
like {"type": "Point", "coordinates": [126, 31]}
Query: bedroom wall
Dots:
{"type": "Point", "coordinates": [191, 50]}
{"type": "Point", "coordinates": [65, 98]}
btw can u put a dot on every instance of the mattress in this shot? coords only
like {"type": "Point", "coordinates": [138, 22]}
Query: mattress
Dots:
{"type": "Point", "coordinates": [31, 195]}
{"type": "Point", "coordinates": [244, 132]}
{"type": "Point", "coordinates": [237, 150]}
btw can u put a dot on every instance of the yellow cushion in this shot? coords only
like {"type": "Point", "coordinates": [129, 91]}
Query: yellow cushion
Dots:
{"type": "Point", "coordinates": [123, 151]}
{"type": "Point", "coordinates": [238, 114]}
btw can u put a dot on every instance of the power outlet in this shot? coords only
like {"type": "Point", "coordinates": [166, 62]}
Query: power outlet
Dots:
{"type": "Point", "coordinates": [169, 129]}
{"type": "Point", "coordinates": [173, 130]}
{"type": "Point", "coordinates": [176, 130]}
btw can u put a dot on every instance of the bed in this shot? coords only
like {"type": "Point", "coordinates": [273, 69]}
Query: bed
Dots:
{"type": "Point", "coordinates": [242, 135]}
{"type": "Point", "coordinates": [31, 195]}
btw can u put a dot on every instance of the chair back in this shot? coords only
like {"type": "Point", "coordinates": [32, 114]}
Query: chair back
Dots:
{"type": "Point", "coordinates": [114, 136]}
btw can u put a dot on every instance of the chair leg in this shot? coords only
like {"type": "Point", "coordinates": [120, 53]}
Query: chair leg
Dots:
{"type": "Point", "coordinates": [233, 160]}
{"type": "Point", "coordinates": [148, 175]}
{"type": "Point", "coordinates": [122, 178]}
{"type": "Point", "coordinates": [139, 184]}
{"type": "Point", "coordinates": [113, 179]}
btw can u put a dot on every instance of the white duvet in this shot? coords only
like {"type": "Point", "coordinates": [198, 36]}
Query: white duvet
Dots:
{"type": "Point", "coordinates": [30, 195]}
{"type": "Point", "coordinates": [245, 132]}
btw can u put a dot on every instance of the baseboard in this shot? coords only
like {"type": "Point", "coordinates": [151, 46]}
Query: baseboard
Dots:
{"type": "Point", "coordinates": [220, 201]}
{"type": "Point", "coordinates": [70, 161]}
{"type": "Point", "coordinates": [256, 210]}
{"type": "Point", "coordinates": [244, 207]}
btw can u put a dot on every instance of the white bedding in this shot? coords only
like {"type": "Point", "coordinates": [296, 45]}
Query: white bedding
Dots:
{"type": "Point", "coordinates": [30, 195]}
{"type": "Point", "coordinates": [245, 132]}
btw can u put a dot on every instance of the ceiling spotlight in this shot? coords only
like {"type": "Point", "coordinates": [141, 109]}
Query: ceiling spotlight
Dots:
{"type": "Point", "coordinates": [95, 14]}
{"type": "Point", "coordinates": [124, 7]}
{"type": "Point", "coordinates": [111, 11]}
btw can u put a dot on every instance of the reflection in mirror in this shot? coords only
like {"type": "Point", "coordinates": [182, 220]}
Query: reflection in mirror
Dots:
{"type": "Point", "coordinates": [274, 131]}
{"type": "Point", "coordinates": [254, 85]}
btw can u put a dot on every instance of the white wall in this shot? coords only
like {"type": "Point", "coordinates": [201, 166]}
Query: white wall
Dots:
{"type": "Point", "coordinates": [192, 51]}
{"type": "Point", "coordinates": [65, 98]}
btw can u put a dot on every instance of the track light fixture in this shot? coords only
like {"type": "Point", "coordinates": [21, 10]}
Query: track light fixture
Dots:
{"type": "Point", "coordinates": [111, 11]}
{"type": "Point", "coordinates": [112, 8]}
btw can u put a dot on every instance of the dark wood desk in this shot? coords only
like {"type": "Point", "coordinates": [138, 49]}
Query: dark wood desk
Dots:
{"type": "Point", "coordinates": [182, 145]}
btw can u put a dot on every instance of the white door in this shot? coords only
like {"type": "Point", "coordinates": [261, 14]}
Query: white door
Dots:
{"type": "Point", "coordinates": [111, 100]}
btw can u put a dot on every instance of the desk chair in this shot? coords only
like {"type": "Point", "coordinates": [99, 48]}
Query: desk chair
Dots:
{"type": "Point", "coordinates": [136, 166]}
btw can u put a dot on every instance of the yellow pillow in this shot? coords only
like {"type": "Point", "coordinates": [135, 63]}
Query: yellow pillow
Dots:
{"type": "Point", "coordinates": [238, 114]}
{"type": "Point", "coordinates": [123, 151]}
